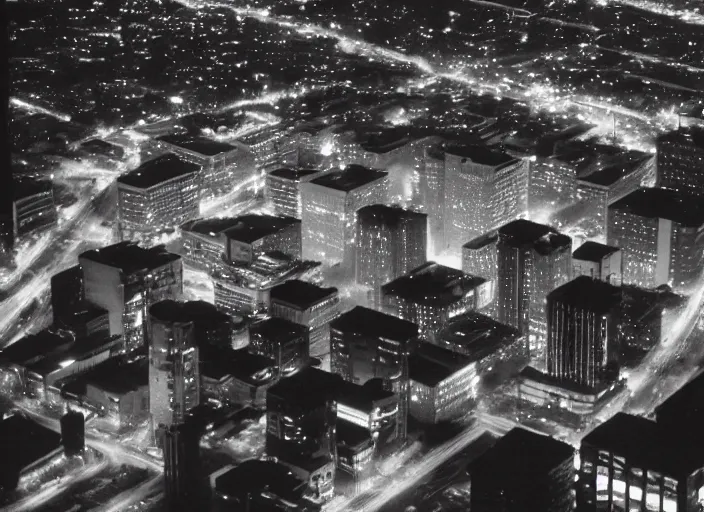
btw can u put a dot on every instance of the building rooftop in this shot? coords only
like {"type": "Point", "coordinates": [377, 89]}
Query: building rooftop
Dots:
{"type": "Point", "coordinates": [363, 397]}
{"type": "Point", "coordinates": [256, 476]}
{"type": "Point", "coordinates": [479, 154]}
{"type": "Point", "coordinates": [212, 227]}
{"type": "Point", "coordinates": [521, 453]}
{"type": "Point", "coordinates": [250, 228]}
{"type": "Point", "coordinates": [296, 174]}
{"type": "Point", "coordinates": [377, 139]}
{"type": "Point", "coordinates": [27, 187]}
{"type": "Point", "coordinates": [432, 364]}
{"type": "Point", "coordinates": [388, 215]}
{"type": "Point", "coordinates": [130, 257]}
{"type": "Point", "coordinates": [659, 203]}
{"type": "Point", "coordinates": [478, 335]}
{"type": "Point", "coordinates": [544, 239]}
{"type": "Point", "coordinates": [199, 145]}
{"type": "Point", "coordinates": [217, 363]}
{"type": "Point", "coordinates": [432, 283]}
{"type": "Point", "coordinates": [352, 437]}
{"type": "Point", "coordinates": [301, 294]}
{"type": "Point", "coordinates": [159, 170]}
{"type": "Point", "coordinates": [350, 178]}
{"type": "Point", "coordinates": [277, 330]}
{"type": "Point", "coordinates": [114, 376]}
{"type": "Point", "coordinates": [374, 324]}
{"type": "Point", "coordinates": [685, 404]}
{"type": "Point", "coordinates": [203, 314]}
{"type": "Point", "coordinates": [607, 175]}
{"type": "Point", "coordinates": [24, 441]}
{"type": "Point", "coordinates": [593, 251]}
{"type": "Point", "coordinates": [78, 351]}
{"type": "Point", "coordinates": [308, 388]}
{"type": "Point", "coordinates": [98, 146]}
{"type": "Point", "coordinates": [481, 241]}
{"type": "Point", "coordinates": [34, 347]}
{"type": "Point", "coordinates": [689, 136]}
{"type": "Point", "coordinates": [587, 293]}
{"type": "Point", "coordinates": [644, 444]}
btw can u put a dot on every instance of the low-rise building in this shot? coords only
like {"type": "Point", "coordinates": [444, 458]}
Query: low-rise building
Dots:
{"type": "Point", "coordinates": [598, 261]}
{"type": "Point", "coordinates": [33, 207]}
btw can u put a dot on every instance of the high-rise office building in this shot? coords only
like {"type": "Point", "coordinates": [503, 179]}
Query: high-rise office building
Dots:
{"type": "Point", "coordinates": [182, 468]}
{"type": "Point", "coordinates": [431, 194]}
{"type": "Point", "coordinates": [125, 280]}
{"type": "Point", "coordinates": [66, 292]}
{"type": "Point", "coordinates": [73, 432]}
{"type": "Point", "coordinates": [174, 367]}
{"type": "Point", "coordinates": [283, 341]}
{"type": "Point", "coordinates": [223, 166]}
{"type": "Point", "coordinates": [584, 333]}
{"type": "Point", "coordinates": [366, 344]}
{"type": "Point", "coordinates": [661, 234]}
{"type": "Point", "coordinates": [532, 260]}
{"type": "Point", "coordinates": [239, 240]}
{"type": "Point", "coordinates": [552, 183]}
{"type": "Point", "coordinates": [330, 203]}
{"type": "Point", "coordinates": [680, 160]}
{"type": "Point", "coordinates": [390, 242]}
{"type": "Point", "coordinates": [484, 188]}
{"type": "Point", "coordinates": [598, 261]}
{"type": "Point", "coordinates": [432, 294]}
{"type": "Point", "coordinates": [301, 412]}
{"type": "Point", "coordinates": [158, 195]}
{"type": "Point", "coordinates": [33, 207]}
{"type": "Point", "coordinates": [282, 190]}
{"type": "Point", "coordinates": [309, 305]}
{"type": "Point", "coordinates": [523, 471]}
{"type": "Point", "coordinates": [633, 463]}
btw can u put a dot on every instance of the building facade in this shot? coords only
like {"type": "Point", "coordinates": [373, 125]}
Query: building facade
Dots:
{"type": "Point", "coordinates": [680, 158]}
{"type": "Point", "coordinates": [282, 190]}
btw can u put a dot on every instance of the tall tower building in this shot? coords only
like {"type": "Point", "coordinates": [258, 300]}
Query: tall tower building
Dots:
{"type": "Point", "coordinates": [680, 160]}
{"type": "Point", "coordinates": [125, 280]}
{"type": "Point", "coordinates": [182, 470]}
{"type": "Point", "coordinates": [330, 203]}
{"type": "Point", "coordinates": [583, 333]}
{"type": "Point", "coordinates": [431, 194]}
{"type": "Point", "coordinates": [533, 259]}
{"type": "Point", "coordinates": [282, 188]}
{"type": "Point", "coordinates": [366, 344]}
{"type": "Point", "coordinates": [390, 242]}
{"type": "Point", "coordinates": [484, 188]}
{"type": "Point", "coordinates": [661, 234]}
{"type": "Point", "coordinates": [174, 375]}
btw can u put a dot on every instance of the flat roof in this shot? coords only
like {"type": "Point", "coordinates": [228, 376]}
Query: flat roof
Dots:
{"type": "Point", "coordinates": [610, 174]}
{"type": "Point", "coordinates": [153, 172]}
{"type": "Point", "coordinates": [432, 283]}
{"type": "Point", "coordinates": [352, 436]}
{"type": "Point", "coordinates": [113, 376]}
{"type": "Point", "coordinates": [544, 239]}
{"type": "Point", "coordinates": [309, 387]}
{"type": "Point", "coordinates": [255, 476]}
{"type": "Point", "coordinates": [587, 293]}
{"type": "Point", "coordinates": [388, 215]}
{"type": "Point", "coordinates": [293, 174]}
{"type": "Point", "coordinates": [521, 453]}
{"type": "Point", "coordinates": [301, 294]}
{"type": "Point", "coordinates": [277, 330]}
{"type": "Point", "coordinates": [480, 154]}
{"type": "Point", "coordinates": [33, 346]}
{"type": "Point", "coordinates": [685, 402]}
{"type": "Point", "coordinates": [27, 187]}
{"type": "Point", "coordinates": [200, 145]}
{"type": "Point", "coordinates": [432, 364]}
{"type": "Point", "coordinates": [660, 203]}
{"type": "Point", "coordinates": [593, 251]}
{"type": "Point", "coordinates": [690, 136]}
{"type": "Point", "coordinates": [130, 257]}
{"type": "Point", "coordinates": [201, 313]}
{"type": "Point", "coordinates": [374, 324]}
{"type": "Point", "coordinates": [362, 397]}
{"type": "Point", "coordinates": [23, 441]}
{"type": "Point", "coordinates": [351, 177]}
{"type": "Point", "coordinates": [481, 241]}
{"type": "Point", "coordinates": [212, 226]}
{"type": "Point", "coordinates": [250, 228]}
{"type": "Point", "coordinates": [644, 444]}
{"type": "Point", "coordinates": [479, 335]}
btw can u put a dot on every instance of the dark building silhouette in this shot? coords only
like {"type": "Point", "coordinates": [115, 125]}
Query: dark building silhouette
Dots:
{"type": "Point", "coordinates": [523, 471]}
{"type": "Point", "coordinates": [73, 433]}
{"type": "Point", "coordinates": [533, 259]}
{"type": "Point", "coordinates": [281, 340]}
{"type": "Point", "coordinates": [182, 469]}
{"type": "Point", "coordinates": [390, 242]}
{"type": "Point", "coordinates": [366, 344]}
{"type": "Point", "coordinates": [598, 261]}
{"type": "Point", "coordinates": [66, 292]}
{"type": "Point", "coordinates": [584, 333]}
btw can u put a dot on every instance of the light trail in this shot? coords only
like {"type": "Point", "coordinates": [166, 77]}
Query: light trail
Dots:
{"type": "Point", "coordinates": [689, 16]}
{"type": "Point", "coordinates": [39, 109]}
